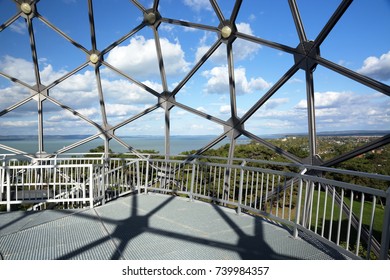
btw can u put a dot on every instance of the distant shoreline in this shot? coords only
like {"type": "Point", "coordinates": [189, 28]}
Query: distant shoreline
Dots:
{"type": "Point", "coordinates": [350, 133]}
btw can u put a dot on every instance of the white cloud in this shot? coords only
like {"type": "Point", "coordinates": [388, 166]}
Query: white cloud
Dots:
{"type": "Point", "coordinates": [198, 5]}
{"type": "Point", "coordinates": [378, 68]}
{"type": "Point", "coordinates": [272, 103]}
{"type": "Point", "coordinates": [225, 109]}
{"type": "Point", "coordinates": [18, 68]}
{"type": "Point", "coordinates": [201, 109]}
{"type": "Point", "coordinates": [122, 98]}
{"type": "Point", "coordinates": [329, 99]}
{"type": "Point", "coordinates": [115, 110]}
{"type": "Point", "coordinates": [334, 111]}
{"type": "Point", "coordinates": [139, 57]}
{"type": "Point", "coordinates": [124, 91]}
{"type": "Point", "coordinates": [18, 124]}
{"type": "Point", "coordinates": [84, 86]}
{"type": "Point", "coordinates": [218, 81]}
{"type": "Point", "coordinates": [11, 94]}
{"type": "Point", "coordinates": [24, 70]}
{"type": "Point", "coordinates": [244, 49]}
{"type": "Point", "coordinates": [19, 27]}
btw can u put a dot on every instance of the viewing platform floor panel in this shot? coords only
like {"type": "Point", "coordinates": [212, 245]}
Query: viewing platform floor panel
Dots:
{"type": "Point", "coordinates": [152, 226]}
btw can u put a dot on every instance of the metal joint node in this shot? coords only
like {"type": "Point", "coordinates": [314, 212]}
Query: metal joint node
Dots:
{"type": "Point", "coordinates": [307, 55]}
{"type": "Point", "coordinates": [151, 17]}
{"type": "Point", "coordinates": [94, 58]}
{"type": "Point", "coordinates": [27, 9]}
{"type": "Point", "coordinates": [227, 31]}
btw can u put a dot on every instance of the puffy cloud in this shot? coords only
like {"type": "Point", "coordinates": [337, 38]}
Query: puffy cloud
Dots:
{"type": "Point", "coordinates": [378, 68]}
{"type": "Point", "coordinates": [349, 110]}
{"type": "Point", "coordinates": [244, 49]}
{"type": "Point", "coordinates": [328, 99]}
{"type": "Point", "coordinates": [118, 110]}
{"type": "Point", "coordinates": [272, 103]}
{"type": "Point", "coordinates": [139, 57]}
{"type": "Point", "coordinates": [18, 68]}
{"type": "Point", "coordinates": [198, 5]}
{"type": "Point", "coordinates": [218, 81]}
{"type": "Point", "coordinates": [225, 109]}
{"type": "Point", "coordinates": [122, 98]}
{"type": "Point", "coordinates": [18, 124]}
{"type": "Point", "coordinates": [12, 94]}
{"type": "Point", "coordinates": [24, 70]}
{"type": "Point", "coordinates": [126, 92]}
{"type": "Point", "coordinates": [334, 111]}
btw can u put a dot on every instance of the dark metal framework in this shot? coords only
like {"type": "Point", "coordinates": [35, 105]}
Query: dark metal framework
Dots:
{"type": "Point", "coordinates": [306, 57]}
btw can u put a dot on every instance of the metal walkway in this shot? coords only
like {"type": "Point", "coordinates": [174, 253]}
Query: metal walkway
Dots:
{"type": "Point", "coordinates": [151, 227]}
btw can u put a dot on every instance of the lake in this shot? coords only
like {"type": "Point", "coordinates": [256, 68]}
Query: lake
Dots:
{"type": "Point", "coordinates": [179, 144]}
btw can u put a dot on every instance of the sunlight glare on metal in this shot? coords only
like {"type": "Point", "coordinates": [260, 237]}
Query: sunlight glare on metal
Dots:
{"type": "Point", "coordinates": [94, 58]}
{"type": "Point", "coordinates": [226, 31]}
{"type": "Point", "coordinates": [26, 8]}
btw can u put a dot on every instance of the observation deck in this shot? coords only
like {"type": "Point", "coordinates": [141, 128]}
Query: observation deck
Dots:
{"type": "Point", "coordinates": [195, 208]}
{"type": "Point", "coordinates": [109, 73]}
{"type": "Point", "coordinates": [150, 227]}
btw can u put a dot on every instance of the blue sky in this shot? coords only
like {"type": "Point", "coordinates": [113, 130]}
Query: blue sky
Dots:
{"type": "Point", "coordinates": [360, 42]}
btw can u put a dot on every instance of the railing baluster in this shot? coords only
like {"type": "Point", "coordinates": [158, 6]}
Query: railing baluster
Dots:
{"type": "Point", "coordinates": [257, 186]}
{"type": "Point", "coordinates": [298, 211]}
{"type": "Point", "coordinates": [246, 187]}
{"type": "Point", "coordinates": [324, 211]}
{"type": "Point", "coordinates": [261, 193]}
{"type": "Point", "coordinates": [360, 225]}
{"type": "Point", "coordinates": [291, 199]}
{"type": "Point", "coordinates": [192, 180]}
{"type": "Point", "coordinates": [240, 188]}
{"type": "Point", "coordinates": [350, 220]}
{"type": "Point", "coordinates": [331, 213]}
{"type": "Point", "coordinates": [251, 195]}
{"type": "Point", "coordinates": [371, 227]}
{"type": "Point", "coordinates": [340, 217]}
{"type": "Point", "coordinates": [318, 207]}
{"type": "Point", "coordinates": [272, 194]}
{"type": "Point", "coordinates": [8, 175]}
{"type": "Point", "coordinates": [266, 194]}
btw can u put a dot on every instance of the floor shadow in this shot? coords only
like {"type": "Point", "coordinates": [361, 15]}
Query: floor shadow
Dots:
{"type": "Point", "coordinates": [121, 232]}
{"type": "Point", "coordinates": [252, 247]}
{"type": "Point", "coordinates": [125, 230]}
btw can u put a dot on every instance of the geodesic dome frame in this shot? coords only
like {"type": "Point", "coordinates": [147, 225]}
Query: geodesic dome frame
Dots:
{"type": "Point", "coordinates": [306, 57]}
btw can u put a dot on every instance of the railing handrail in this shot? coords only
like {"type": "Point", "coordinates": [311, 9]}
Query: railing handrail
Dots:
{"type": "Point", "coordinates": [192, 157]}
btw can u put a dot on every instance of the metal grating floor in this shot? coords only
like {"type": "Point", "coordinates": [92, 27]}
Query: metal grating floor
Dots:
{"type": "Point", "coordinates": [146, 227]}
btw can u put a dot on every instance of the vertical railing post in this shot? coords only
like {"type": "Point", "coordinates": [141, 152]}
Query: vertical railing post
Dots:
{"type": "Point", "coordinates": [240, 187]}
{"type": "Point", "coordinates": [8, 186]}
{"type": "Point", "coordinates": [138, 176]}
{"type": "Point", "coordinates": [102, 182]}
{"type": "Point", "coordinates": [147, 176]}
{"type": "Point", "coordinates": [193, 179]}
{"type": "Point", "coordinates": [2, 169]}
{"type": "Point", "coordinates": [298, 211]}
{"type": "Point", "coordinates": [91, 186]}
{"type": "Point", "coordinates": [385, 240]}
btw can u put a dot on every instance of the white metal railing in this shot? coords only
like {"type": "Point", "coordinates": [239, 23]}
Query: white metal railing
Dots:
{"type": "Point", "coordinates": [349, 217]}
{"type": "Point", "coordinates": [37, 184]}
